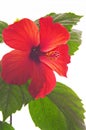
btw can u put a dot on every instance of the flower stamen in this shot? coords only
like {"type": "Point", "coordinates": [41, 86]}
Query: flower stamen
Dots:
{"type": "Point", "coordinates": [53, 54]}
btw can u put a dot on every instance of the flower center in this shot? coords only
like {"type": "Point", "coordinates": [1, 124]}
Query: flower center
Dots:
{"type": "Point", "coordinates": [35, 53]}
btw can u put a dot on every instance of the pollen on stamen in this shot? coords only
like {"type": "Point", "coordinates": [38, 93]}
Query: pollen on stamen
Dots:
{"type": "Point", "coordinates": [53, 55]}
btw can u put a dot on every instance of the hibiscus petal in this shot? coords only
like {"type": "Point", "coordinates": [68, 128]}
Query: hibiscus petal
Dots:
{"type": "Point", "coordinates": [52, 34]}
{"type": "Point", "coordinates": [21, 35]}
{"type": "Point", "coordinates": [57, 59]}
{"type": "Point", "coordinates": [15, 67]}
{"type": "Point", "coordinates": [43, 81]}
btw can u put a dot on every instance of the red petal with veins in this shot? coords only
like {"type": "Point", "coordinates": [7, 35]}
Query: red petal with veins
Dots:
{"type": "Point", "coordinates": [57, 59]}
{"type": "Point", "coordinates": [43, 80]}
{"type": "Point", "coordinates": [52, 34]}
{"type": "Point", "coordinates": [21, 35]}
{"type": "Point", "coordinates": [15, 67]}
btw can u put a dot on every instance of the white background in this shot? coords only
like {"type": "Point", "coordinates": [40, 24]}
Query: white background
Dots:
{"type": "Point", "coordinates": [12, 9]}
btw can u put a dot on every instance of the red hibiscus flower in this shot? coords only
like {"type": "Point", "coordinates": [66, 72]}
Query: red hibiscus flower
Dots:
{"type": "Point", "coordinates": [38, 52]}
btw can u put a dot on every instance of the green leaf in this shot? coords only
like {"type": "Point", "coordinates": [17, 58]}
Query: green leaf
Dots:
{"type": "Point", "coordinates": [5, 126]}
{"type": "Point", "coordinates": [70, 105]}
{"type": "Point", "coordinates": [12, 98]}
{"type": "Point", "coordinates": [2, 26]}
{"type": "Point", "coordinates": [60, 110]}
{"type": "Point", "coordinates": [26, 97]}
{"type": "Point", "coordinates": [66, 19]}
{"type": "Point", "coordinates": [75, 41]}
{"type": "Point", "coordinates": [46, 115]}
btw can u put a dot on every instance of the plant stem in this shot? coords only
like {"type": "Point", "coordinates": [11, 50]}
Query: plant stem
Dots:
{"type": "Point", "coordinates": [10, 119]}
